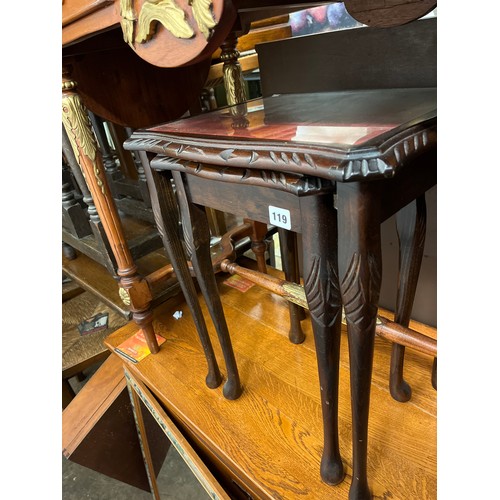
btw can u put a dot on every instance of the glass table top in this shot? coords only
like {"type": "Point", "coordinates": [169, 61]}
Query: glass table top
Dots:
{"type": "Point", "coordinates": [344, 119]}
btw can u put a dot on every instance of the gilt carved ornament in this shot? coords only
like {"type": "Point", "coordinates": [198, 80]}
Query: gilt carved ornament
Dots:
{"type": "Point", "coordinates": [79, 130]}
{"type": "Point", "coordinates": [141, 27]}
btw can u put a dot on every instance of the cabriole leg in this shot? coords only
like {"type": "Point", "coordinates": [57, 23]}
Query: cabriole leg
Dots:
{"type": "Point", "coordinates": [360, 268]}
{"type": "Point", "coordinates": [411, 225]}
{"type": "Point", "coordinates": [197, 238]}
{"type": "Point", "coordinates": [165, 210]}
{"type": "Point", "coordinates": [319, 231]}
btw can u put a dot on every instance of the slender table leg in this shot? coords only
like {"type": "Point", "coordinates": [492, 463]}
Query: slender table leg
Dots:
{"type": "Point", "coordinates": [434, 374]}
{"type": "Point", "coordinates": [319, 235]}
{"type": "Point", "coordinates": [360, 270]}
{"type": "Point", "coordinates": [135, 288]}
{"type": "Point", "coordinates": [288, 246]}
{"type": "Point", "coordinates": [197, 239]}
{"type": "Point", "coordinates": [166, 215]}
{"type": "Point", "coordinates": [411, 225]}
{"type": "Point", "coordinates": [259, 246]}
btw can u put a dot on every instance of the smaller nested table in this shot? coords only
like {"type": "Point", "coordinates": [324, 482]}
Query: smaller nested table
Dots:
{"type": "Point", "coordinates": [331, 166]}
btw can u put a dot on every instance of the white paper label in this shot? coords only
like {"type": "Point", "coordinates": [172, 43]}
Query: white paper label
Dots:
{"type": "Point", "coordinates": [280, 217]}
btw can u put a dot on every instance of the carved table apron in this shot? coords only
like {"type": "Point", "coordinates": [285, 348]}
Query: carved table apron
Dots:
{"type": "Point", "coordinates": [332, 166]}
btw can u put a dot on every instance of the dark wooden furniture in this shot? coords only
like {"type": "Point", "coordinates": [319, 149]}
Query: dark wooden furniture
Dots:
{"type": "Point", "coordinates": [268, 443]}
{"type": "Point", "coordinates": [331, 166]}
{"type": "Point", "coordinates": [161, 51]}
{"type": "Point", "coordinates": [93, 40]}
{"type": "Point", "coordinates": [396, 57]}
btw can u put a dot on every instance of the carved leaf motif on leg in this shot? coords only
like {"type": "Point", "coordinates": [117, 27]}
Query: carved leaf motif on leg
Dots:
{"type": "Point", "coordinates": [323, 294]}
{"type": "Point", "coordinates": [79, 131]}
{"type": "Point", "coordinates": [233, 83]}
{"type": "Point", "coordinates": [355, 299]}
{"type": "Point", "coordinates": [77, 122]}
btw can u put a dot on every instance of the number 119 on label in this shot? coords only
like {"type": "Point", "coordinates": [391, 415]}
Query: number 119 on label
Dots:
{"type": "Point", "coordinates": [280, 217]}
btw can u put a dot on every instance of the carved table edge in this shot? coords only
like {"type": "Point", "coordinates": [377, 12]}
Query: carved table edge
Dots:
{"type": "Point", "coordinates": [377, 159]}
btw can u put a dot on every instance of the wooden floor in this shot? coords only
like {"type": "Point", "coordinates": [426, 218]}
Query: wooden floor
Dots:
{"type": "Point", "coordinates": [272, 435]}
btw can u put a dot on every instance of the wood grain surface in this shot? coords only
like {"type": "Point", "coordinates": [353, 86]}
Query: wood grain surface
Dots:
{"type": "Point", "coordinates": [270, 439]}
{"type": "Point", "coordinates": [100, 392]}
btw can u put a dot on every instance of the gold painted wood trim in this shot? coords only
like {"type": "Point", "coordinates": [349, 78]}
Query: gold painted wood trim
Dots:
{"type": "Point", "coordinates": [128, 18]}
{"type": "Point", "coordinates": [124, 295]}
{"type": "Point", "coordinates": [81, 137]}
{"type": "Point", "coordinates": [203, 16]}
{"type": "Point", "coordinates": [140, 426]}
{"type": "Point", "coordinates": [166, 12]}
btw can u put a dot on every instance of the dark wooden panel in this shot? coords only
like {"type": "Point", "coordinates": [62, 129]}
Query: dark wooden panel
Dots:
{"type": "Point", "coordinates": [243, 200]}
{"type": "Point", "coordinates": [99, 429]}
{"type": "Point", "coordinates": [360, 58]}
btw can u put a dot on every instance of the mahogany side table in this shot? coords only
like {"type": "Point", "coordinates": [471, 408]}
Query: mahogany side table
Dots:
{"type": "Point", "coordinates": [332, 166]}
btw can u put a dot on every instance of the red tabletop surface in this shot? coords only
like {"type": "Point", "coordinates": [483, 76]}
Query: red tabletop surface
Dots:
{"type": "Point", "coordinates": [341, 119]}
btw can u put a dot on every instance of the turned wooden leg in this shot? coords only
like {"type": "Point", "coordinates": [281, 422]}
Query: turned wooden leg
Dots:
{"type": "Point", "coordinates": [411, 225]}
{"type": "Point", "coordinates": [360, 271]}
{"type": "Point", "coordinates": [288, 246]}
{"type": "Point", "coordinates": [319, 230]}
{"type": "Point", "coordinates": [135, 290]}
{"type": "Point", "coordinates": [234, 83]}
{"type": "Point", "coordinates": [166, 215]}
{"type": "Point", "coordinates": [197, 239]}
{"type": "Point", "coordinates": [107, 257]}
{"type": "Point", "coordinates": [259, 247]}
{"type": "Point", "coordinates": [113, 172]}
{"type": "Point", "coordinates": [434, 374]}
